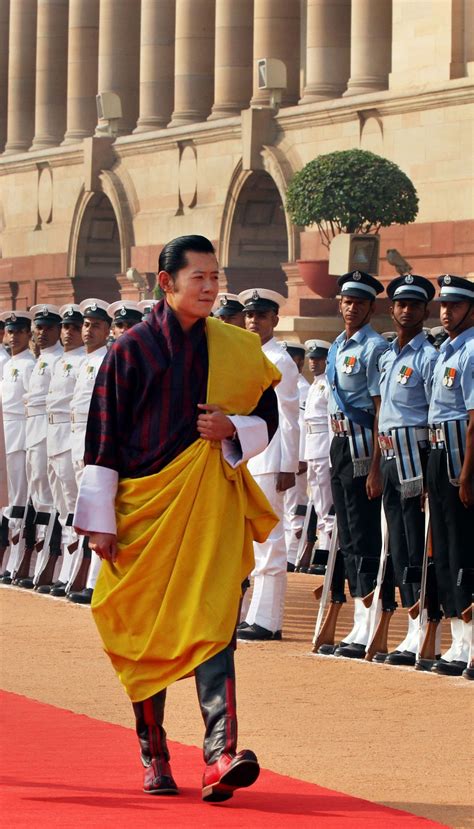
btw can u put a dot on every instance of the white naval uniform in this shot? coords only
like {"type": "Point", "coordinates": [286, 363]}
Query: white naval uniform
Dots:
{"type": "Point", "coordinates": [80, 403]}
{"type": "Point", "coordinates": [4, 358]}
{"type": "Point", "coordinates": [16, 377]}
{"type": "Point", "coordinates": [281, 455]}
{"type": "Point", "coordinates": [36, 428]}
{"type": "Point", "coordinates": [297, 495]}
{"type": "Point", "coordinates": [61, 475]}
{"type": "Point", "coordinates": [317, 443]}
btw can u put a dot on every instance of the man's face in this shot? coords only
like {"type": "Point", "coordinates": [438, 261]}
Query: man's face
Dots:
{"type": "Point", "coordinates": [195, 287]}
{"type": "Point", "coordinates": [409, 313]}
{"type": "Point", "coordinates": [356, 312]}
{"type": "Point", "coordinates": [317, 365]}
{"type": "Point", "coordinates": [94, 333]}
{"type": "Point", "coordinates": [237, 319]}
{"type": "Point", "coordinates": [18, 340]}
{"type": "Point", "coordinates": [71, 336]}
{"type": "Point", "coordinates": [119, 328]}
{"type": "Point", "coordinates": [46, 335]}
{"type": "Point", "coordinates": [262, 323]}
{"type": "Point", "coordinates": [456, 315]}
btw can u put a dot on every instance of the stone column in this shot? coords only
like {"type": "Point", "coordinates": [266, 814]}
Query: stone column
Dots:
{"type": "Point", "coordinates": [82, 60]}
{"type": "Point", "coordinates": [156, 64]}
{"type": "Point", "coordinates": [371, 46]}
{"type": "Point", "coordinates": [119, 56]}
{"type": "Point", "coordinates": [51, 73]}
{"type": "Point", "coordinates": [276, 34]}
{"type": "Point", "coordinates": [327, 49]}
{"type": "Point", "coordinates": [4, 20]}
{"type": "Point", "coordinates": [194, 61]}
{"type": "Point", "coordinates": [21, 76]}
{"type": "Point", "coordinates": [233, 60]}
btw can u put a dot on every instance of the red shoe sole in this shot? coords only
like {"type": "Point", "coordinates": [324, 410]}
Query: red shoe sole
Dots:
{"type": "Point", "coordinates": [241, 776]}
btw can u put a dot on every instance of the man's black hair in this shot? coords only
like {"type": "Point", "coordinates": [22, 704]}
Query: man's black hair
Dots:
{"type": "Point", "coordinates": [173, 256]}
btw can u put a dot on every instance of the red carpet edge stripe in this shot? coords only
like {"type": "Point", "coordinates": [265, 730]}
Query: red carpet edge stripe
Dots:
{"type": "Point", "coordinates": [62, 769]}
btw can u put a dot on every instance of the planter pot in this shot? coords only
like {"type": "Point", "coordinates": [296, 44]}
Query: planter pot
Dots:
{"type": "Point", "coordinates": [315, 275]}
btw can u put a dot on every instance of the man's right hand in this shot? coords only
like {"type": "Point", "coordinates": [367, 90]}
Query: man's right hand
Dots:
{"type": "Point", "coordinates": [105, 545]}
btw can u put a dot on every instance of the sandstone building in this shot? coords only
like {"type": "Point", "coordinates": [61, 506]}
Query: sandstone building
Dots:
{"type": "Point", "coordinates": [199, 150]}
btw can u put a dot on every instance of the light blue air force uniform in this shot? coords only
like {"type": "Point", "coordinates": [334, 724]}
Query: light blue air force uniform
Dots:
{"type": "Point", "coordinates": [452, 395]}
{"type": "Point", "coordinates": [357, 368]}
{"type": "Point", "coordinates": [405, 383]}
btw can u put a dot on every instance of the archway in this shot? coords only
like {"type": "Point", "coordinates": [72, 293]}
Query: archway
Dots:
{"type": "Point", "coordinates": [258, 239]}
{"type": "Point", "coordinates": [98, 252]}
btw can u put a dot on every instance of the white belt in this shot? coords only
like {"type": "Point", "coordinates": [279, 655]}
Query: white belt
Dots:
{"type": "Point", "coordinates": [59, 418]}
{"type": "Point", "coordinates": [32, 411]}
{"type": "Point", "coordinates": [316, 428]}
{"type": "Point", "coordinates": [79, 417]}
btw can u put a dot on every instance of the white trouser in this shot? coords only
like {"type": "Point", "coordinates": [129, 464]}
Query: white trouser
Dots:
{"type": "Point", "coordinates": [319, 483]}
{"type": "Point", "coordinates": [37, 474]}
{"type": "Point", "coordinates": [78, 466]}
{"type": "Point", "coordinates": [62, 481]}
{"type": "Point", "coordinates": [268, 598]}
{"type": "Point", "coordinates": [293, 498]}
{"type": "Point", "coordinates": [17, 484]}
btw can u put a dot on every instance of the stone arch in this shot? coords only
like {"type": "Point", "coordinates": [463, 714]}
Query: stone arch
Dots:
{"type": "Point", "coordinates": [101, 239]}
{"type": "Point", "coordinates": [257, 236]}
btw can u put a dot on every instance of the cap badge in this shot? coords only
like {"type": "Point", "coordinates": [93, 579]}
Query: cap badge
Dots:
{"type": "Point", "coordinates": [93, 307]}
{"type": "Point", "coordinates": [357, 276]}
{"type": "Point", "coordinates": [409, 279]}
{"type": "Point", "coordinates": [224, 300]}
{"type": "Point", "coordinates": [255, 295]}
{"type": "Point", "coordinates": [123, 311]}
{"type": "Point", "coordinates": [12, 317]}
{"type": "Point", "coordinates": [447, 279]}
{"type": "Point", "coordinates": [70, 311]}
{"type": "Point", "coordinates": [44, 310]}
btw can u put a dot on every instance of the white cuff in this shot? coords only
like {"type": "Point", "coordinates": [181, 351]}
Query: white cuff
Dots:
{"type": "Point", "coordinates": [95, 505]}
{"type": "Point", "coordinates": [252, 433]}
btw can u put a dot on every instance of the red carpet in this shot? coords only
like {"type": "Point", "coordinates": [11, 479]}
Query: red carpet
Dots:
{"type": "Point", "coordinates": [67, 770]}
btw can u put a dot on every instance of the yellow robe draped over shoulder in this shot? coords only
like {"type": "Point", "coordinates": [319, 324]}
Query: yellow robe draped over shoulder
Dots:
{"type": "Point", "coordinates": [185, 534]}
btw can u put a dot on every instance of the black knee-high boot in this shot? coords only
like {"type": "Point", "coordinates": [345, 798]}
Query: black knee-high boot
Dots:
{"type": "Point", "coordinates": [154, 753]}
{"type": "Point", "coordinates": [226, 770]}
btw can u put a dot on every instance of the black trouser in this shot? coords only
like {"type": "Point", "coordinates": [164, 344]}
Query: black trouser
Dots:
{"type": "Point", "coordinates": [406, 527]}
{"type": "Point", "coordinates": [358, 520]}
{"type": "Point", "coordinates": [452, 533]}
{"type": "Point", "coordinates": [215, 684]}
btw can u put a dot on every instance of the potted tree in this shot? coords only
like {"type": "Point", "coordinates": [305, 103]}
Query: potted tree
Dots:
{"type": "Point", "coordinates": [348, 191]}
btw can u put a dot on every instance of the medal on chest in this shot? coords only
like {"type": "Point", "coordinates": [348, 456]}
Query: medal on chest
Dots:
{"type": "Point", "coordinates": [90, 372]}
{"type": "Point", "coordinates": [42, 366]}
{"type": "Point", "coordinates": [449, 375]}
{"type": "Point", "coordinates": [14, 374]}
{"type": "Point", "coordinates": [348, 365]}
{"type": "Point", "coordinates": [67, 368]}
{"type": "Point", "coordinates": [404, 375]}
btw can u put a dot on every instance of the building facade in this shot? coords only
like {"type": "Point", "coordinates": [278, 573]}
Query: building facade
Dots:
{"type": "Point", "coordinates": [199, 147]}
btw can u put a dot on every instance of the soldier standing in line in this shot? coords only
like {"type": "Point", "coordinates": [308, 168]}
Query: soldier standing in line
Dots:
{"type": "Point", "coordinates": [230, 310]}
{"type": "Point", "coordinates": [16, 377]}
{"type": "Point", "coordinates": [46, 331]}
{"type": "Point", "coordinates": [274, 471]}
{"type": "Point", "coordinates": [353, 375]}
{"type": "Point", "coordinates": [296, 498]}
{"type": "Point", "coordinates": [317, 442]}
{"type": "Point", "coordinates": [58, 440]}
{"type": "Point", "coordinates": [95, 331]}
{"type": "Point", "coordinates": [124, 315]}
{"type": "Point", "coordinates": [4, 357]}
{"type": "Point", "coordinates": [406, 372]}
{"type": "Point", "coordinates": [451, 467]}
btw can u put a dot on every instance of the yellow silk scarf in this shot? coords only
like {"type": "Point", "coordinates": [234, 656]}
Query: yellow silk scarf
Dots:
{"type": "Point", "coordinates": [185, 539]}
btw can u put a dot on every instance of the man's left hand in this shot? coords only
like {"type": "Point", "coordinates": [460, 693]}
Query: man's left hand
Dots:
{"type": "Point", "coordinates": [374, 484]}
{"type": "Point", "coordinates": [285, 480]}
{"type": "Point", "coordinates": [213, 424]}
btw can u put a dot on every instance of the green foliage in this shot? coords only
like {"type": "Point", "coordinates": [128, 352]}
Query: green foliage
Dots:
{"type": "Point", "coordinates": [157, 292]}
{"type": "Point", "coordinates": [351, 191]}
